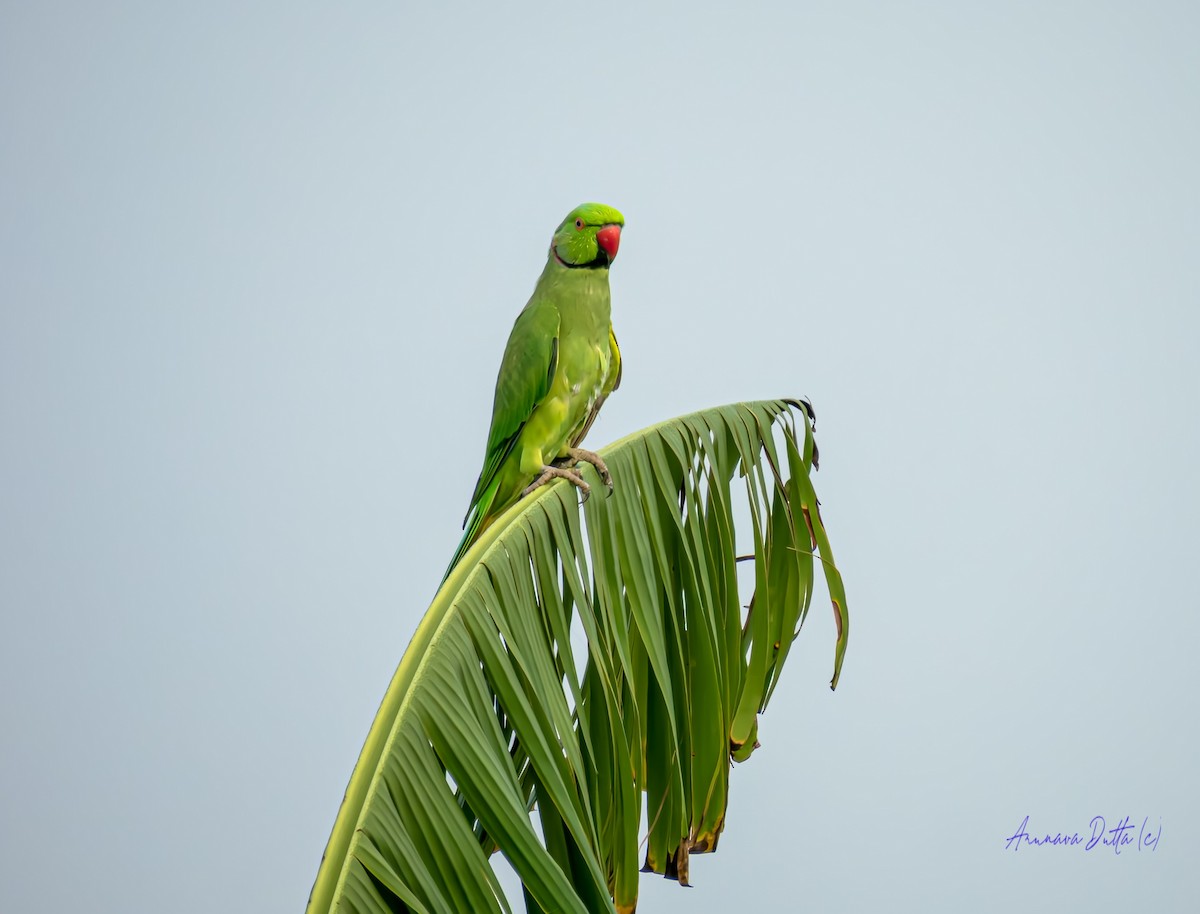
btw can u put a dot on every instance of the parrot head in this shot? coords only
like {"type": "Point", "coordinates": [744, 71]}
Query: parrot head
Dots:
{"type": "Point", "coordinates": [588, 237]}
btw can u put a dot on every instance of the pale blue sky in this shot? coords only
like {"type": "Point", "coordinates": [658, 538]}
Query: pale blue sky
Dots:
{"type": "Point", "coordinates": [257, 267]}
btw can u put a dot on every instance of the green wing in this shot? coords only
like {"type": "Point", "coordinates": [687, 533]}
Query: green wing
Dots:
{"type": "Point", "coordinates": [526, 372]}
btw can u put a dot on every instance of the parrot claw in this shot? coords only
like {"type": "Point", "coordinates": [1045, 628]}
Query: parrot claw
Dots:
{"type": "Point", "coordinates": [557, 472]}
{"type": "Point", "coordinates": [577, 454]}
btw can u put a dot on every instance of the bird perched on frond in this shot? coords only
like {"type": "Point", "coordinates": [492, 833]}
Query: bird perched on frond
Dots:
{"type": "Point", "coordinates": [560, 364]}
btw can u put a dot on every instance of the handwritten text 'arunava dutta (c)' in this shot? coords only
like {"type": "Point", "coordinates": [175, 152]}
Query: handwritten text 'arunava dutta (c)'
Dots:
{"type": "Point", "coordinates": [1125, 834]}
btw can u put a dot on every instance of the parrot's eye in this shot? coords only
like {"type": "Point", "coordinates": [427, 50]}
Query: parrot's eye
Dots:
{"type": "Point", "coordinates": [579, 224]}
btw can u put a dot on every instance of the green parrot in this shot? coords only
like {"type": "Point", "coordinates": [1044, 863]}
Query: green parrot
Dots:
{"type": "Point", "coordinates": [559, 366]}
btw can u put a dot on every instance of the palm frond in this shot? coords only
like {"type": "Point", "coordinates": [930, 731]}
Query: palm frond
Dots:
{"type": "Point", "coordinates": [495, 735]}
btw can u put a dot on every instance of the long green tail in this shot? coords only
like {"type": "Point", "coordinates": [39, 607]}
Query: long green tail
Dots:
{"type": "Point", "coordinates": [477, 521]}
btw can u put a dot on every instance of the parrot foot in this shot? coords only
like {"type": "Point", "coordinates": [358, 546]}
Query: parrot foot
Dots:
{"type": "Point", "coordinates": [556, 472]}
{"type": "Point", "coordinates": [576, 454]}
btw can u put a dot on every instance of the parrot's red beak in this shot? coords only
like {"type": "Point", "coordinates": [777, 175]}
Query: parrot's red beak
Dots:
{"type": "Point", "coordinates": [609, 239]}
